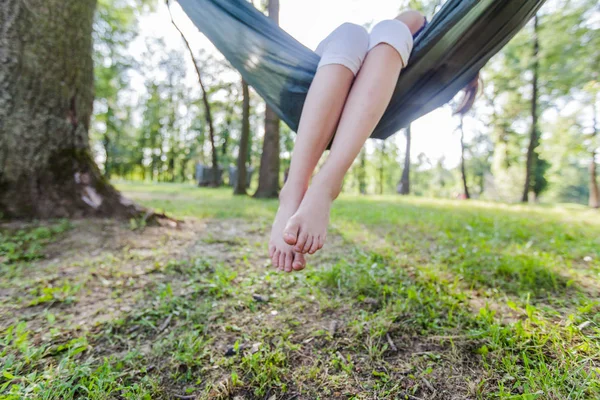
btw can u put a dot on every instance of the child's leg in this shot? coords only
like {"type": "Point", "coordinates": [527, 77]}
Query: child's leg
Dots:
{"type": "Point", "coordinates": [342, 55]}
{"type": "Point", "coordinates": [366, 103]}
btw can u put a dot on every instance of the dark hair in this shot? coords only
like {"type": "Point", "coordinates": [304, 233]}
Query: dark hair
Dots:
{"type": "Point", "coordinates": [470, 94]}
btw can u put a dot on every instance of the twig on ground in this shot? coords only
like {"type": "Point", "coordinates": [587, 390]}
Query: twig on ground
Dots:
{"type": "Point", "coordinates": [260, 298]}
{"type": "Point", "coordinates": [333, 327]}
{"type": "Point", "coordinates": [164, 325]}
{"type": "Point", "coordinates": [391, 342]}
{"type": "Point", "coordinates": [185, 397]}
{"type": "Point", "coordinates": [429, 385]}
{"type": "Point", "coordinates": [133, 329]}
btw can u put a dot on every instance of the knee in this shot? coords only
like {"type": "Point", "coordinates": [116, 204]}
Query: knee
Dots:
{"type": "Point", "coordinates": [347, 45]}
{"type": "Point", "coordinates": [413, 19]}
{"type": "Point", "coordinates": [352, 38]}
{"type": "Point", "coordinates": [395, 33]}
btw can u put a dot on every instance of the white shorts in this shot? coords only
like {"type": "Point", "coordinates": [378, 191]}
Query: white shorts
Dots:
{"type": "Point", "coordinates": [349, 44]}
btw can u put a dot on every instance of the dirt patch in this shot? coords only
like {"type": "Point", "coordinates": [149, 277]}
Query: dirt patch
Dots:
{"type": "Point", "coordinates": [106, 267]}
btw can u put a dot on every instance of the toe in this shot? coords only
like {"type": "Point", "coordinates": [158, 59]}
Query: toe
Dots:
{"type": "Point", "coordinates": [289, 259]}
{"type": "Point", "coordinates": [291, 232]}
{"type": "Point", "coordinates": [299, 262]}
{"type": "Point", "coordinates": [314, 247]}
{"type": "Point", "coordinates": [301, 242]}
{"type": "Point", "coordinates": [282, 260]}
{"type": "Point", "coordinates": [275, 259]}
{"type": "Point", "coordinates": [321, 242]}
{"type": "Point", "coordinates": [271, 250]}
{"type": "Point", "coordinates": [307, 245]}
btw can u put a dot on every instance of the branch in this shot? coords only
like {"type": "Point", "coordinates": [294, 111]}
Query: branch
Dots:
{"type": "Point", "coordinates": [205, 101]}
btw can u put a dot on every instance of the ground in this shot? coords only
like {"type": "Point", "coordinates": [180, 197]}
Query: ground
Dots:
{"type": "Point", "coordinates": [410, 299]}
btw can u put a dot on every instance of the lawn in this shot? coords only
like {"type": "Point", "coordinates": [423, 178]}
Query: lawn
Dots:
{"type": "Point", "coordinates": [411, 298]}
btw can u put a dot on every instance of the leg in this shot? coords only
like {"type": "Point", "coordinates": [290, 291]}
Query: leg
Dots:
{"type": "Point", "coordinates": [342, 55]}
{"type": "Point", "coordinates": [366, 103]}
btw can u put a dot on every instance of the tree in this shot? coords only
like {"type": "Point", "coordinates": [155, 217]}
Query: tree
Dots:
{"type": "Point", "coordinates": [362, 172]}
{"type": "Point", "coordinates": [404, 184]}
{"type": "Point", "coordinates": [268, 180]}
{"type": "Point", "coordinates": [463, 171]}
{"type": "Point", "coordinates": [532, 161]}
{"type": "Point", "coordinates": [205, 102]}
{"type": "Point", "coordinates": [594, 199]}
{"type": "Point", "coordinates": [244, 142]}
{"type": "Point", "coordinates": [46, 167]}
{"type": "Point", "coordinates": [114, 28]}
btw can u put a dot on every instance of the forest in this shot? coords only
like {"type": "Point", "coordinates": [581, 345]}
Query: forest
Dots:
{"type": "Point", "coordinates": [535, 119]}
{"type": "Point", "coordinates": [139, 178]}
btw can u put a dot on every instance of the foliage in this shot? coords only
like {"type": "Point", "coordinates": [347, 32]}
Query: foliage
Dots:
{"type": "Point", "coordinates": [163, 136]}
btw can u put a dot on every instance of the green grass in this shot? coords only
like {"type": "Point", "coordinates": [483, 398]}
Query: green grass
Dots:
{"type": "Point", "coordinates": [411, 298]}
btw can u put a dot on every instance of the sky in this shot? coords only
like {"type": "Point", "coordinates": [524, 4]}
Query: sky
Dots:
{"type": "Point", "coordinates": [309, 21]}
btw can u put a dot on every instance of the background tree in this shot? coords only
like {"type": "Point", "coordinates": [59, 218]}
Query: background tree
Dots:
{"type": "Point", "coordinates": [534, 166]}
{"type": "Point", "coordinates": [463, 168]}
{"type": "Point", "coordinates": [268, 180]}
{"type": "Point", "coordinates": [205, 102]}
{"type": "Point", "coordinates": [243, 151]}
{"type": "Point", "coordinates": [404, 184]}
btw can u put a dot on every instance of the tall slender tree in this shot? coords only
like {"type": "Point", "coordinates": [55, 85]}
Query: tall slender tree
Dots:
{"type": "Point", "coordinates": [463, 169]}
{"type": "Point", "coordinates": [404, 184]}
{"type": "Point", "coordinates": [532, 155]}
{"type": "Point", "coordinates": [244, 147]}
{"type": "Point", "coordinates": [594, 200]}
{"type": "Point", "coordinates": [205, 101]}
{"type": "Point", "coordinates": [268, 179]}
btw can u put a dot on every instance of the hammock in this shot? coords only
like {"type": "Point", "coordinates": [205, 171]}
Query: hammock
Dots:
{"type": "Point", "coordinates": [457, 43]}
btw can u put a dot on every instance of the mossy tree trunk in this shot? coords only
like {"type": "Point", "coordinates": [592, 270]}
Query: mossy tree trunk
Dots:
{"type": "Point", "coordinates": [46, 97]}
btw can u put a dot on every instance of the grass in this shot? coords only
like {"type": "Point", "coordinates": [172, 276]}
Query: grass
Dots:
{"type": "Point", "coordinates": [411, 299]}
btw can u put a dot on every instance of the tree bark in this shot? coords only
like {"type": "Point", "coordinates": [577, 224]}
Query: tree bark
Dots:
{"type": "Point", "coordinates": [205, 102]}
{"type": "Point", "coordinates": [594, 200]}
{"type": "Point", "coordinates": [534, 137]}
{"type": "Point", "coordinates": [404, 184]}
{"type": "Point", "coordinates": [46, 97]}
{"type": "Point", "coordinates": [242, 171]}
{"type": "Point", "coordinates": [268, 179]}
{"type": "Point", "coordinates": [382, 168]}
{"type": "Point", "coordinates": [462, 160]}
{"type": "Point", "coordinates": [362, 172]}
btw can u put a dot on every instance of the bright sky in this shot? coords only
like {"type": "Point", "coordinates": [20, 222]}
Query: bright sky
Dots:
{"type": "Point", "coordinates": [310, 21]}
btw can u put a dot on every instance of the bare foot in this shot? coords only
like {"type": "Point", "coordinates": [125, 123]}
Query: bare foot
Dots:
{"type": "Point", "coordinates": [307, 228]}
{"type": "Point", "coordinates": [282, 254]}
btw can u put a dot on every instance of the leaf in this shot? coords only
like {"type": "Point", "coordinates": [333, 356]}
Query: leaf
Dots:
{"type": "Point", "coordinates": [8, 375]}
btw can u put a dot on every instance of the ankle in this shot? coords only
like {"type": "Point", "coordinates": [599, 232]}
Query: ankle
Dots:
{"type": "Point", "coordinates": [327, 187]}
{"type": "Point", "coordinates": [292, 193]}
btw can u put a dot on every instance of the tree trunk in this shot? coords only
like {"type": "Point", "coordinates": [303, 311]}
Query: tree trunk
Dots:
{"type": "Point", "coordinates": [404, 185]}
{"type": "Point", "coordinates": [594, 200]}
{"type": "Point", "coordinates": [46, 96]}
{"type": "Point", "coordinates": [242, 171]}
{"type": "Point", "coordinates": [462, 160]}
{"type": "Point", "coordinates": [362, 172]}
{"type": "Point", "coordinates": [382, 168]}
{"type": "Point", "coordinates": [268, 179]}
{"type": "Point", "coordinates": [205, 102]}
{"type": "Point", "coordinates": [533, 139]}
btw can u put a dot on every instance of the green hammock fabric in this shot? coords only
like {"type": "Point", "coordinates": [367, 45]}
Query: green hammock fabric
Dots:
{"type": "Point", "coordinates": [457, 43]}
